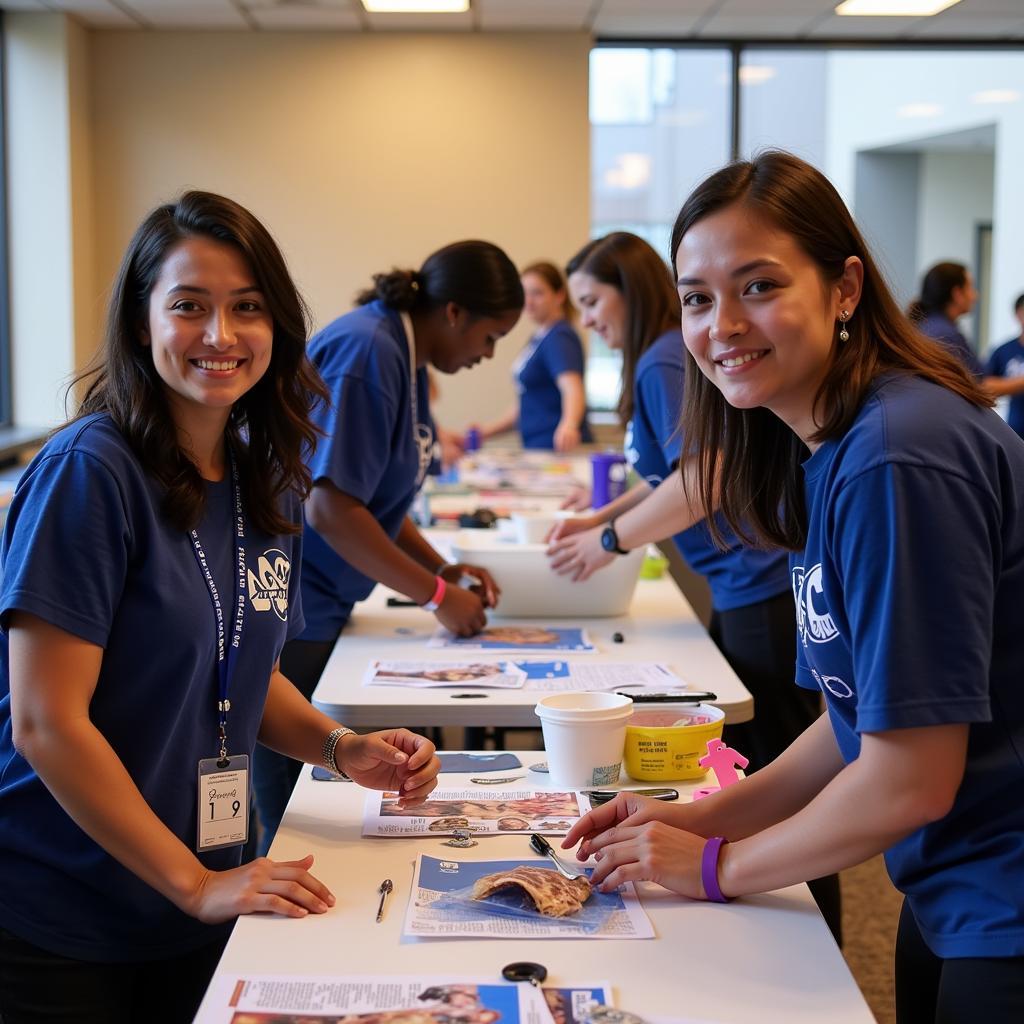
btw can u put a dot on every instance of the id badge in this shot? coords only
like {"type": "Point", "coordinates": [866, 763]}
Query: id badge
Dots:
{"type": "Point", "coordinates": [223, 802]}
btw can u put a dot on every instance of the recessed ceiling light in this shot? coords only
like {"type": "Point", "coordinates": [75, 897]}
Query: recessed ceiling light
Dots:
{"type": "Point", "coordinates": [996, 96]}
{"type": "Point", "coordinates": [919, 110]}
{"type": "Point", "coordinates": [416, 6]}
{"type": "Point", "coordinates": [893, 8]}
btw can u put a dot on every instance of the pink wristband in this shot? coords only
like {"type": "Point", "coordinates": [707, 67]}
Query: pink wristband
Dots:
{"type": "Point", "coordinates": [439, 591]}
{"type": "Point", "coordinates": [709, 869]}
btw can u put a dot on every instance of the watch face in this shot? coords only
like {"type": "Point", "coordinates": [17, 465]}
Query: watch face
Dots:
{"type": "Point", "coordinates": [608, 539]}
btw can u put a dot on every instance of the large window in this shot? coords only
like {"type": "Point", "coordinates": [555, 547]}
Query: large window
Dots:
{"type": "Point", "coordinates": [924, 145]}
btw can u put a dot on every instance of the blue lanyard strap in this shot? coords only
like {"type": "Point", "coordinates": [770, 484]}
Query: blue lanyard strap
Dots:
{"type": "Point", "coordinates": [227, 654]}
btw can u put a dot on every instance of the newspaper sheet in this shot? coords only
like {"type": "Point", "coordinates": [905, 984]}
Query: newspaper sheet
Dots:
{"type": "Point", "coordinates": [514, 810]}
{"type": "Point", "coordinates": [438, 908]}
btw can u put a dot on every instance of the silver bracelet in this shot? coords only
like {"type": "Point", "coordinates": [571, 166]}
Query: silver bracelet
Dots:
{"type": "Point", "coordinates": [330, 746]}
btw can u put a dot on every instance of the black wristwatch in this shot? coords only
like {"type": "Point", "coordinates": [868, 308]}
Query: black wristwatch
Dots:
{"type": "Point", "coordinates": [610, 540]}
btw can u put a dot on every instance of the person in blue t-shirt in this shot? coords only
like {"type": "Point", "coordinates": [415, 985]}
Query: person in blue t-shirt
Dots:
{"type": "Point", "coordinates": [378, 445]}
{"type": "Point", "coordinates": [550, 409]}
{"type": "Point", "coordinates": [947, 293]}
{"type": "Point", "coordinates": [150, 568]}
{"type": "Point", "coordinates": [1006, 365]}
{"type": "Point", "coordinates": [821, 418]}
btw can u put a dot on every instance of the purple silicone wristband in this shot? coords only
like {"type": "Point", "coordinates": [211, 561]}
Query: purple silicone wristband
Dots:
{"type": "Point", "coordinates": [709, 869]}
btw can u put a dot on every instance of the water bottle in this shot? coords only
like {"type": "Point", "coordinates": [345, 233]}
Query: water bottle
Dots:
{"type": "Point", "coordinates": [609, 477]}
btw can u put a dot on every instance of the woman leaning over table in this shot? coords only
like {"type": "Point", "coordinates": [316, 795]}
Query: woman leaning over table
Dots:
{"type": "Point", "coordinates": [379, 443]}
{"type": "Point", "coordinates": [834, 429]}
{"type": "Point", "coordinates": [150, 579]}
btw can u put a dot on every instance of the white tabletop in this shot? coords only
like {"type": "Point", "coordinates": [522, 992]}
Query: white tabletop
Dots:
{"type": "Point", "coordinates": [660, 627]}
{"type": "Point", "coordinates": [767, 958]}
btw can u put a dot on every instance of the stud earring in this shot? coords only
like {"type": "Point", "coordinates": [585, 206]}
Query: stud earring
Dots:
{"type": "Point", "coordinates": [844, 334]}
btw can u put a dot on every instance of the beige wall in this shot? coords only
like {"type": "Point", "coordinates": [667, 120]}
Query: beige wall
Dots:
{"type": "Point", "coordinates": [359, 152]}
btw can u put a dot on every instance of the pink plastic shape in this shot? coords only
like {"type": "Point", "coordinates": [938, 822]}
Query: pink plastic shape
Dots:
{"type": "Point", "coordinates": [723, 761]}
{"type": "Point", "coordinates": [699, 794]}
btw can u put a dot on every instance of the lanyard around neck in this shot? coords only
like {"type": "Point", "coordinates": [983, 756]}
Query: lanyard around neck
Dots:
{"type": "Point", "coordinates": [227, 654]}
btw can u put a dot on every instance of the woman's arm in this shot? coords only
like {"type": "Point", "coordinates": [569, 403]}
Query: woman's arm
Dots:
{"type": "Point", "coordinates": [390, 759]}
{"type": "Point", "coordinates": [574, 406]}
{"type": "Point", "coordinates": [53, 676]}
{"type": "Point", "coordinates": [669, 510]}
{"type": "Point", "coordinates": [502, 425]}
{"type": "Point", "coordinates": [353, 532]}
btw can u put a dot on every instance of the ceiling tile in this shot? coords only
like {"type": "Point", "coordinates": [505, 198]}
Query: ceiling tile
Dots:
{"type": "Point", "coordinates": [529, 14]}
{"type": "Point", "coordinates": [811, 8]}
{"type": "Point", "coordinates": [181, 14]}
{"type": "Point", "coordinates": [669, 26]}
{"type": "Point", "coordinates": [753, 26]}
{"type": "Point", "coordinates": [94, 13]}
{"type": "Point", "coordinates": [837, 27]}
{"type": "Point", "coordinates": [421, 22]}
{"type": "Point", "coordinates": [293, 17]}
{"type": "Point", "coordinates": [645, 8]}
{"type": "Point", "coordinates": [977, 28]}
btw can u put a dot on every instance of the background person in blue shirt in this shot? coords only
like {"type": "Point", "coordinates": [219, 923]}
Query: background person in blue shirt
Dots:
{"type": "Point", "coordinates": [109, 652]}
{"type": "Point", "coordinates": [377, 446]}
{"type": "Point", "coordinates": [550, 410]}
{"type": "Point", "coordinates": [822, 418]}
{"type": "Point", "coordinates": [947, 293]}
{"type": "Point", "coordinates": [1006, 365]}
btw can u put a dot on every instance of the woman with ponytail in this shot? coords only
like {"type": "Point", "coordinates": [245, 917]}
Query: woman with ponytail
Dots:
{"type": "Point", "coordinates": [379, 441]}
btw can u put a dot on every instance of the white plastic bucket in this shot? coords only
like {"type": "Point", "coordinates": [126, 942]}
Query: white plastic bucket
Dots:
{"type": "Point", "coordinates": [584, 736]}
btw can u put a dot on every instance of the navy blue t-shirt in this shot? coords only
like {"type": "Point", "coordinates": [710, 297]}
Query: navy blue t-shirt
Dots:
{"type": "Point", "coordinates": [1008, 361]}
{"type": "Point", "coordinates": [536, 373]}
{"type": "Point", "coordinates": [372, 451]}
{"type": "Point", "coordinates": [939, 327]}
{"type": "Point", "coordinates": [86, 548]}
{"type": "Point", "coordinates": [909, 597]}
{"type": "Point", "coordinates": [739, 575]}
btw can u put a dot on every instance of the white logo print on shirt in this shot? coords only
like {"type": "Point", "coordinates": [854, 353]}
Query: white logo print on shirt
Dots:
{"type": "Point", "coordinates": [268, 585]}
{"type": "Point", "coordinates": [812, 617]}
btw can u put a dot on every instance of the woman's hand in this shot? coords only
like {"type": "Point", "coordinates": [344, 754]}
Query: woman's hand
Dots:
{"type": "Point", "coordinates": [486, 589]}
{"type": "Point", "coordinates": [461, 612]}
{"type": "Point", "coordinates": [579, 555]}
{"type": "Point", "coordinates": [578, 499]}
{"type": "Point", "coordinates": [261, 886]}
{"type": "Point", "coordinates": [567, 437]}
{"type": "Point", "coordinates": [391, 759]}
{"type": "Point", "coordinates": [634, 838]}
{"type": "Point", "coordinates": [625, 809]}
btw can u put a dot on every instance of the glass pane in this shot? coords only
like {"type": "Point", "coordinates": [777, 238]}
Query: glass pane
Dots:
{"type": "Point", "coordinates": [660, 121]}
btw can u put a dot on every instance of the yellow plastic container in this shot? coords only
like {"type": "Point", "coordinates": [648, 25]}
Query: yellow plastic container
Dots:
{"type": "Point", "coordinates": [663, 748]}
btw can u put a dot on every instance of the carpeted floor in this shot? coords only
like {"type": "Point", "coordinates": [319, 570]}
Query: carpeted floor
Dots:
{"type": "Point", "coordinates": [871, 908]}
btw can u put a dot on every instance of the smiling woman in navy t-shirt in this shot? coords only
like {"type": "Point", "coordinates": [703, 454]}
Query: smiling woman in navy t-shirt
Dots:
{"type": "Point", "coordinates": [377, 446]}
{"type": "Point", "coordinates": [150, 564]}
{"type": "Point", "coordinates": [821, 417]}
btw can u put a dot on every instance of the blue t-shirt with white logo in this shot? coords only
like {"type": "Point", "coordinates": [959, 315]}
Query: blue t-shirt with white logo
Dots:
{"type": "Point", "coordinates": [536, 373]}
{"type": "Point", "coordinates": [1008, 361]}
{"type": "Point", "coordinates": [909, 596]}
{"type": "Point", "coordinates": [739, 575]}
{"type": "Point", "coordinates": [372, 449]}
{"type": "Point", "coordinates": [86, 548]}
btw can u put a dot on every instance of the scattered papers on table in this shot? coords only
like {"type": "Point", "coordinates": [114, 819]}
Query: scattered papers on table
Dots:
{"type": "Point", "coordinates": [435, 881]}
{"type": "Point", "coordinates": [571, 1004]}
{"type": "Point", "coordinates": [510, 811]}
{"type": "Point", "coordinates": [517, 638]}
{"type": "Point", "coordinates": [285, 999]}
{"type": "Point", "coordinates": [568, 675]}
{"type": "Point", "coordinates": [503, 675]}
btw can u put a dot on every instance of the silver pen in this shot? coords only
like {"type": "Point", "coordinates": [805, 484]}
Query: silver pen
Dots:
{"type": "Point", "coordinates": [385, 887]}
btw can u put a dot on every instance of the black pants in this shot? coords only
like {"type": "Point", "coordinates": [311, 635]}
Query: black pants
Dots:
{"type": "Point", "coordinates": [274, 775]}
{"type": "Point", "coordinates": [37, 987]}
{"type": "Point", "coordinates": [759, 642]}
{"type": "Point", "coordinates": [930, 990]}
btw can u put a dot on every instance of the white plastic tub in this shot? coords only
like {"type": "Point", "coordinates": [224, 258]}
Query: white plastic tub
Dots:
{"type": "Point", "coordinates": [530, 589]}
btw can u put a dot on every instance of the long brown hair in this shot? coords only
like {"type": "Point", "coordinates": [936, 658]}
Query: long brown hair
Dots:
{"type": "Point", "coordinates": [628, 263]}
{"type": "Point", "coordinates": [555, 280]}
{"type": "Point", "coordinates": [269, 428]}
{"type": "Point", "coordinates": [749, 457]}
